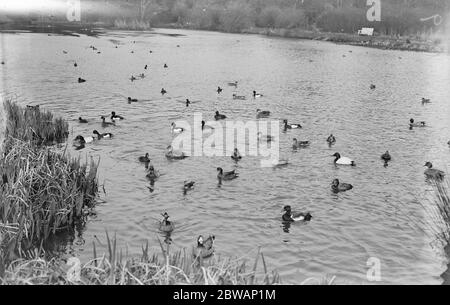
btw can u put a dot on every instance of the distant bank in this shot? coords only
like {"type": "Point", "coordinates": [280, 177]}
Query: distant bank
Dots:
{"type": "Point", "coordinates": [379, 42]}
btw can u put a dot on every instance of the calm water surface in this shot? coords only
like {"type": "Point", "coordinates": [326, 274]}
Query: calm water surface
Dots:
{"type": "Point", "coordinates": [304, 81]}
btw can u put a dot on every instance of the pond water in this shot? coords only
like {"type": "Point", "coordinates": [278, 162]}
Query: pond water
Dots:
{"type": "Point", "coordinates": [309, 82]}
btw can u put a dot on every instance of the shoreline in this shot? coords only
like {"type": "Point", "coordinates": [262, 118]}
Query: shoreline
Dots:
{"type": "Point", "coordinates": [377, 42]}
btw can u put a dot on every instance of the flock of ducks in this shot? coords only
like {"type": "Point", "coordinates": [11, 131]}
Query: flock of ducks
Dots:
{"type": "Point", "coordinates": [205, 247]}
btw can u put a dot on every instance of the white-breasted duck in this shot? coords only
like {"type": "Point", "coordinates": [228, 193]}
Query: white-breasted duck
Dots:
{"type": "Point", "coordinates": [188, 185]}
{"type": "Point", "coordinates": [106, 135]}
{"type": "Point", "coordinates": [256, 95]}
{"type": "Point", "coordinates": [175, 129]}
{"type": "Point", "coordinates": [226, 175]}
{"type": "Point", "coordinates": [342, 160]}
{"type": "Point", "coordinates": [295, 216]}
{"type": "Point", "coordinates": [338, 187]}
{"type": "Point", "coordinates": [219, 116]}
{"type": "Point", "coordinates": [174, 155]}
{"type": "Point", "coordinates": [236, 155]}
{"type": "Point", "coordinates": [433, 173]}
{"type": "Point", "coordinates": [83, 140]}
{"type": "Point", "coordinates": [412, 123]}
{"type": "Point", "coordinates": [165, 225]}
{"type": "Point", "coordinates": [205, 247]}
{"type": "Point", "coordinates": [290, 126]}
{"type": "Point", "coordinates": [114, 116]}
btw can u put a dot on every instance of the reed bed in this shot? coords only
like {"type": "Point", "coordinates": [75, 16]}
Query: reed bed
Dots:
{"type": "Point", "coordinates": [132, 25]}
{"type": "Point", "coordinates": [112, 268]}
{"type": "Point", "coordinates": [30, 124]}
{"type": "Point", "coordinates": [42, 190]}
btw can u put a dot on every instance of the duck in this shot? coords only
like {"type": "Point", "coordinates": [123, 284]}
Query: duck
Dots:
{"type": "Point", "coordinates": [130, 100]}
{"type": "Point", "coordinates": [205, 248]}
{"type": "Point", "coordinates": [106, 135]}
{"type": "Point", "coordinates": [188, 185]}
{"type": "Point", "coordinates": [165, 225]}
{"type": "Point", "coordinates": [233, 84]}
{"type": "Point", "coordinates": [413, 124]}
{"type": "Point", "coordinates": [75, 65]}
{"type": "Point", "coordinates": [425, 100]}
{"type": "Point", "coordinates": [291, 126]}
{"type": "Point", "coordinates": [219, 90]}
{"type": "Point", "coordinates": [219, 116]}
{"type": "Point", "coordinates": [386, 156]}
{"type": "Point", "coordinates": [256, 95]}
{"type": "Point", "coordinates": [266, 138]}
{"type": "Point", "coordinates": [338, 187]}
{"type": "Point", "coordinates": [152, 174]}
{"type": "Point", "coordinates": [176, 129]}
{"type": "Point", "coordinates": [262, 113]}
{"type": "Point", "coordinates": [175, 155]}
{"type": "Point", "coordinates": [83, 140]}
{"type": "Point", "coordinates": [236, 155]}
{"type": "Point", "coordinates": [3, 62]}
{"type": "Point", "coordinates": [331, 139]}
{"type": "Point", "coordinates": [80, 80]}
{"type": "Point", "coordinates": [64, 51]}
{"type": "Point", "coordinates": [292, 217]}
{"type": "Point", "coordinates": [144, 159]}
{"type": "Point", "coordinates": [226, 175]}
{"type": "Point", "coordinates": [114, 116]}
{"type": "Point", "coordinates": [280, 162]}
{"type": "Point", "coordinates": [106, 124]}
{"type": "Point", "coordinates": [187, 102]}
{"type": "Point", "coordinates": [81, 120]}
{"type": "Point", "coordinates": [166, 66]}
{"type": "Point", "coordinates": [448, 143]}
{"type": "Point", "coordinates": [372, 86]}
{"type": "Point", "coordinates": [142, 75]}
{"type": "Point", "coordinates": [238, 97]}
{"type": "Point", "coordinates": [132, 78]}
{"type": "Point", "coordinates": [433, 173]}
{"type": "Point", "coordinates": [145, 68]}
{"type": "Point", "coordinates": [343, 160]}
{"type": "Point", "coordinates": [299, 144]}
{"type": "Point", "coordinates": [163, 91]}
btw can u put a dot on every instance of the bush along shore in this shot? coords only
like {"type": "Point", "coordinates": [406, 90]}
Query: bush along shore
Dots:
{"type": "Point", "coordinates": [44, 192]}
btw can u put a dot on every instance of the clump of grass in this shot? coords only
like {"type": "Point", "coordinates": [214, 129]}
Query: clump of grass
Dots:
{"type": "Point", "coordinates": [134, 25]}
{"type": "Point", "coordinates": [34, 125]}
{"type": "Point", "coordinates": [180, 267]}
{"type": "Point", "coordinates": [42, 191]}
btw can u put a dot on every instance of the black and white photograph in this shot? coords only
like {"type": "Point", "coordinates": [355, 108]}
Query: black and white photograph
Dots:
{"type": "Point", "coordinates": [224, 143]}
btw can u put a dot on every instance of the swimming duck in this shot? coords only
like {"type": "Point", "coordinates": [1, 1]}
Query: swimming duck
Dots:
{"type": "Point", "coordinates": [236, 155]}
{"type": "Point", "coordinates": [132, 78]}
{"type": "Point", "coordinates": [433, 173]}
{"type": "Point", "coordinates": [337, 187]}
{"type": "Point", "coordinates": [265, 138]}
{"type": "Point", "coordinates": [386, 156]}
{"type": "Point", "coordinates": [205, 248]}
{"type": "Point", "coordinates": [130, 100]}
{"type": "Point", "coordinates": [188, 185]}
{"type": "Point", "coordinates": [144, 159]}
{"type": "Point", "coordinates": [166, 66]}
{"type": "Point", "coordinates": [165, 225]}
{"type": "Point", "coordinates": [142, 75]}
{"type": "Point", "coordinates": [425, 100]}
{"type": "Point", "coordinates": [331, 139]}
{"type": "Point", "coordinates": [238, 97]}
{"type": "Point", "coordinates": [448, 143]}
{"type": "Point", "coordinates": [291, 217]}
{"type": "Point", "coordinates": [226, 175]}
{"type": "Point", "coordinates": [75, 65]}
{"type": "Point", "coordinates": [262, 113]}
{"type": "Point", "coordinates": [291, 126]}
{"type": "Point", "coordinates": [163, 91]}
{"type": "Point", "coordinates": [255, 95]}
{"type": "Point", "coordinates": [64, 51]}
{"type": "Point", "coordinates": [81, 120]}
{"type": "Point", "coordinates": [3, 62]}
{"type": "Point", "coordinates": [299, 144]}
{"type": "Point", "coordinates": [280, 162]}
{"type": "Point", "coordinates": [83, 140]}
{"type": "Point", "coordinates": [106, 124]}
{"type": "Point", "coordinates": [114, 116]}
{"type": "Point", "coordinates": [175, 155]}
{"type": "Point", "coordinates": [413, 124]}
{"type": "Point", "coordinates": [343, 160]}
{"type": "Point", "coordinates": [187, 102]}
{"type": "Point", "coordinates": [372, 86]}
{"type": "Point", "coordinates": [152, 174]}
{"type": "Point", "coordinates": [145, 68]}
{"type": "Point", "coordinates": [176, 129]}
{"type": "Point", "coordinates": [219, 116]}
{"type": "Point", "coordinates": [106, 135]}
{"type": "Point", "coordinates": [219, 90]}
{"type": "Point", "coordinates": [80, 80]}
{"type": "Point", "coordinates": [233, 84]}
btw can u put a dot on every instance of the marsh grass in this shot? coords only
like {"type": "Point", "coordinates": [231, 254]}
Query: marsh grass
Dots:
{"type": "Point", "coordinates": [34, 125]}
{"type": "Point", "coordinates": [42, 190]}
{"type": "Point", "coordinates": [165, 268]}
{"type": "Point", "coordinates": [132, 25]}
